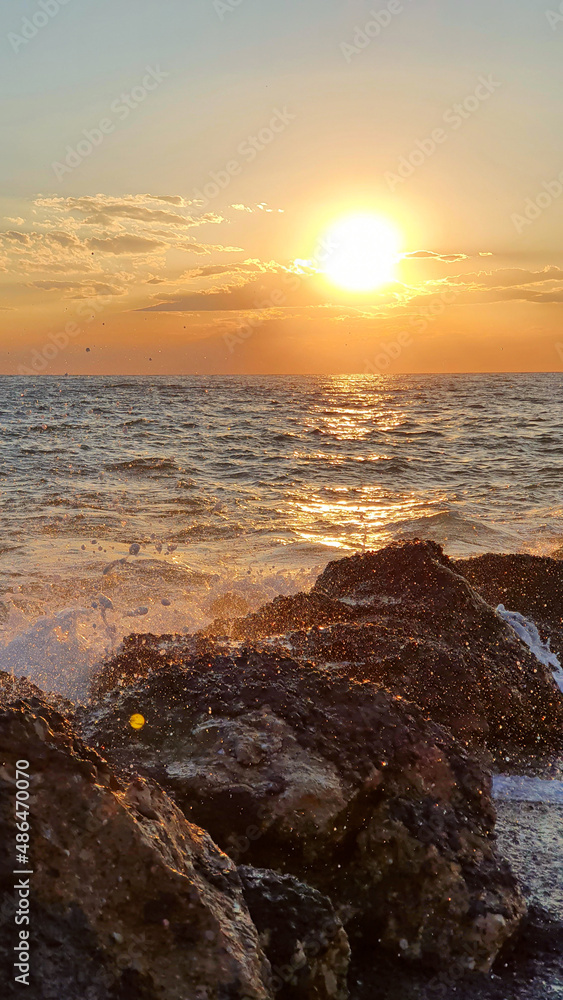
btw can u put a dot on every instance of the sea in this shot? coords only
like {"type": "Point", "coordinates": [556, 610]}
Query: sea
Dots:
{"type": "Point", "coordinates": [146, 504]}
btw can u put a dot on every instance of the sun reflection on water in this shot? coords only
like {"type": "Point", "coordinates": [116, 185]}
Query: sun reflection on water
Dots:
{"type": "Point", "coordinates": [363, 510]}
{"type": "Point", "coordinates": [344, 424]}
{"type": "Point", "coordinates": [364, 516]}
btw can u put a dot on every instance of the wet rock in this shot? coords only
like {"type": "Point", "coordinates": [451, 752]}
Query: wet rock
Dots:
{"type": "Point", "coordinates": [128, 898]}
{"type": "Point", "coordinates": [301, 935]}
{"type": "Point", "coordinates": [530, 967]}
{"type": "Point", "coordinates": [531, 585]}
{"type": "Point", "coordinates": [229, 605]}
{"type": "Point", "coordinates": [139, 654]}
{"type": "Point", "coordinates": [281, 615]}
{"type": "Point", "coordinates": [405, 618]}
{"type": "Point", "coordinates": [339, 783]}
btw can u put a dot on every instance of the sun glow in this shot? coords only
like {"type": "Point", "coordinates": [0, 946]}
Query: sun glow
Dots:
{"type": "Point", "coordinates": [360, 252]}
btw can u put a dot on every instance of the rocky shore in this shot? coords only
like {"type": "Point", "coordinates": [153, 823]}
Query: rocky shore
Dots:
{"type": "Point", "coordinates": [295, 803]}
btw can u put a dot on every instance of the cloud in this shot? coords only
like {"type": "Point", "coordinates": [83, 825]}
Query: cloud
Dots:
{"type": "Point", "coordinates": [503, 285]}
{"type": "Point", "coordinates": [207, 248]}
{"type": "Point", "coordinates": [124, 245]}
{"type": "Point", "coordinates": [449, 257]}
{"type": "Point", "coordinates": [280, 288]}
{"type": "Point", "coordinates": [240, 267]}
{"type": "Point", "coordinates": [262, 207]}
{"type": "Point", "coordinates": [74, 246]}
{"type": "Point", "coordinates": [171, 199]}
{"type": "Point", "coordinates": [11, 236]}
{"type": "Point", "coordinates": [78, 290]}
{"type": "Point", "coordinates": [63, 239]}
{"type": "Point", "coordinates": [526, 294]}
{"type": "Point", "coordinates": [104, 210]}
{"type": "Point", "coordinates": [506, 277]}
{"type": "Point", "coordinates": [265, 291]}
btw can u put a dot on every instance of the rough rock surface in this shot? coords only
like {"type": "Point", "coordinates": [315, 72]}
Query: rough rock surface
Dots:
{"type": "Point", "coordinates": [343, 785]}
{"type": "Point", "coordinates": [530, 967]}
{"type": "Point", "coordinates": [301, 935]}
{"type": "Point", "coordinates": [404, 617]}
{"type": "Point", "coordinates": [532, 585]}
{"type": "Point", "coordinates": [128, 898]}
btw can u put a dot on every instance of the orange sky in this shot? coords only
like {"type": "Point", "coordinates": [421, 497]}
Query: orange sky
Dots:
{"type": "Point", "coordinates": [226, 142]}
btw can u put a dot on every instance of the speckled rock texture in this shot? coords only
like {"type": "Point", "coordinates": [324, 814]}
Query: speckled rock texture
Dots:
{"type": "Point", "coordinates": [339, 783]}
{"type": "Point", "coordinates": [404, 617]}
{"type": "Point", "coordinates": [531, 585]}
{"type": "Point", "coordinates": [300, 933]}
{"type": "Point", "coordinates": [129, 899]}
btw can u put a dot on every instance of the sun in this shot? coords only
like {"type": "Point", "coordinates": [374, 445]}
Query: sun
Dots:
{"type": "Point", "coordinates": [359, 252]}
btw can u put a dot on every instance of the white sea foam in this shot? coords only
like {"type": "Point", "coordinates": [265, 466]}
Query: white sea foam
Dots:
{"type": "Point", "coordinates": [170, 493]}
{"type": "Point", "coordinates": [527, 631]}
{"type": "Point", "coordinates": [519, 788]}
{"type": "Point", "coordinates": [60, 649]}
{"type": "Point", "coordinates": [57, 652]}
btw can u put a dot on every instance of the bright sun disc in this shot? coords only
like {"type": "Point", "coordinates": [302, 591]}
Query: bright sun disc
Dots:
{"type": "Point", "coordinates": [361, 253]}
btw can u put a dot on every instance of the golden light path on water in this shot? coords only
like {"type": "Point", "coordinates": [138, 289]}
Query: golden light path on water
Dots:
{"type": "Point", "coordinates": [365, 513]}
{"type": "Point", "coordinates": [138, 505]}
{"type": "Point", "coordinates": [365, 516]}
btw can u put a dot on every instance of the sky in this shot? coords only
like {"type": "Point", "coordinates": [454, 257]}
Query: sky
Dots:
{"type": "Point", "coordinates": [174, 174]}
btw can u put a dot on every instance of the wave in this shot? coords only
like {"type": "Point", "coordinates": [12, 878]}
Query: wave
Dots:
{"type": "Point", "coordinates": [520, 788]}
{"type": "Point", "coordinates": [142, 465]}
{"type": "Point", "coordinates": [458, 535]}
{"type": "Point", "coordinates": [527, 631]}
{"type": "Point", "coordinates": [42, 451]}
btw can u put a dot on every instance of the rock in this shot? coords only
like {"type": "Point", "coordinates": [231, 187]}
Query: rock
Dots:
{"type": "Point", "coordinates": [530, 967]}
{"type": "Point", "coordinates": [128, 898]}
{"type": "Point", "coordinates": [341, 784]}
{"type": "Point", "coordinates": [531, 585]}
{"type": "Point", "coordinates": [301, 935]}
{"type": "Point", "coordinates": [404, 617]}
{"type": "Point", "coordinates": [281, 615]}
{"type": "Point", "coordinates": [229, 605]}
{"type": "Point", "coordinates": [138, 655]}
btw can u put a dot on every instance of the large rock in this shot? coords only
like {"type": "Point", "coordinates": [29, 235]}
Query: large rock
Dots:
{"type": "Point", "coordinates": [529, 968]}
{"type": "Point", "coordinates": [127, 897]}
{"type": "Point", "coordinates": [404, 617]}
{"type": "Point", "coordinates": [345, 786]}
{"type": "Point", "coordinates": [301, 935]}
{"type": "Point", "coordinates": [531, 585]}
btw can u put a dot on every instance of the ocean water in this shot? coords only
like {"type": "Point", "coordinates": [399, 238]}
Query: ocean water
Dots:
{"type": "Point", "coordinates": [230, 490]}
